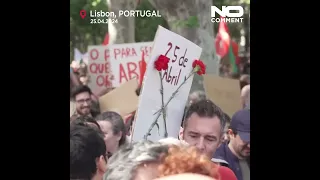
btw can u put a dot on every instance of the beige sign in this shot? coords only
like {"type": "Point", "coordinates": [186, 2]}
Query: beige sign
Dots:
{"type": "Point", "coordinates": [122, 99]}
{"type": "Point", "coordinates": [224, 92]}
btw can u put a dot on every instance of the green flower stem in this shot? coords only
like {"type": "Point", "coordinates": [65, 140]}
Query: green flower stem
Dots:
{"type": "Point", "coordinates": [164, 113]}
{"type": "Point", "coordinates": [176, 91]}
{"type": "Point", "coordinates": [165, 106]}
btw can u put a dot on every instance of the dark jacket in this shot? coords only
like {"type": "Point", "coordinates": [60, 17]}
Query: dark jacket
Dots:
{"type": "Point", "coordinates": [223, 152]}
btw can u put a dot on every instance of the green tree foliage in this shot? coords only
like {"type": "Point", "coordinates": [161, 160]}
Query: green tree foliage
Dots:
{"type": "Point", "coordinates": [82, 33]}
{"type": "Point", "coordinates": [146, 27]}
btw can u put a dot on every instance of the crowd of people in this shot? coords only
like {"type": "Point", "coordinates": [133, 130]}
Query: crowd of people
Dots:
{"type": "Point", "coordinates": [210, 145]}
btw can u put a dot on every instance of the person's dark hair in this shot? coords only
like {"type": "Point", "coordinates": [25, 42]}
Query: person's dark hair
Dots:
{"type": "Point", "coordinates": [195, 97]}
{"type": "Point", "coordinates": [129, 123]}
{"type": "Point", "coordinates": [205, 108]}
{"type": "Point", "coordinates": [86, 145]}
{"type": "Point", "coordinates": [79, 89]}
{"type": "Point", "coordinates": [84, 120]}
{"type": "Point", "coordinates": [234, 131]}
{"type": "Point", "coordinates": [246, 68]}
{"type": "Point", "coordinates": [227, 118]}
{"type": "Point", "coordinates": [243, 84]}
{"type": "Point", "coordinates": [184, 114]}
{"type": "Point", "coordinates": [117, 124]}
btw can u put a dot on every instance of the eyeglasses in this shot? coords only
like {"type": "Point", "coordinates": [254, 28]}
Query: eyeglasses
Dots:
{"type": "Point", "coordinates": [82, 101]}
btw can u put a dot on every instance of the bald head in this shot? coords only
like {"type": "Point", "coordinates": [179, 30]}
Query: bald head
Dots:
{"type": "Point", "coordinates": [244, 80]}
{"type": "Point", "coordinates": [245, 96]}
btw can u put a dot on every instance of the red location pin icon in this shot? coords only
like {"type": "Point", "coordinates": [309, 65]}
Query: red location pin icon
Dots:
{"type": "Point", "coordinates": [83, 14]}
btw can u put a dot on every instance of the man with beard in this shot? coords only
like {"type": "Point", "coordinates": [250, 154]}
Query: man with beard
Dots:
{"type": "Point", "coordinates": [237, 151]}
{"type": "Point", "coordinates": [203, 127]}
{"type": "Point", "coordinates": [81, 95]}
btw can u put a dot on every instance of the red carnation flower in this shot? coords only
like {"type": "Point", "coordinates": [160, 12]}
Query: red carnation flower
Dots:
{"type": "Point", "coordinates": [161, 63]}
{"type": "Point", "coordinates": [199, 67]}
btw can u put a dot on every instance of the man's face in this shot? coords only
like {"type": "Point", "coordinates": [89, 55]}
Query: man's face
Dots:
{"type": "Point", "coordinates": [203, 133]}
{"type": "Point", "coordinates": [241, 148]}
{"type": "Point", "coordinates": [83, 103]}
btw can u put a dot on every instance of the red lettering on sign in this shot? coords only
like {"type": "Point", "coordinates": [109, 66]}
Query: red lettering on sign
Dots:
{"type": "Point", "coordinates": [107, 68]}
{"type": "Point", "coordinates": [124, 53]}
{"type": "Point", "coordinates": [100, 80]}
{"type": "Point", "coordinates": [103, 81]}
{"type": "Point", "coordinates": [94, 54]}
{"type": "Point", "coordinates": [96, 68]}
{"type": "Point", "coordinates": [132, 70]}
{"type": "Point", "coordinates": [146, 50]}
{"type": "Point", "coordinates": [122, 74]}
{"type": "Point", "coordinates": [128, 71]}
{"type": "Point", "coordinates": [133, 52]}
{"type": "Point", "coordinates": [106, 54]}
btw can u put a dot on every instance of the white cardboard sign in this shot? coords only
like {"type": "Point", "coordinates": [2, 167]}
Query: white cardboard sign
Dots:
{"type": "Point", "coordinates": [182, 53]}
{"type": "Point", "coordinates": [125, 60]}
{"type": "Point", "coordinates": [99, 68]}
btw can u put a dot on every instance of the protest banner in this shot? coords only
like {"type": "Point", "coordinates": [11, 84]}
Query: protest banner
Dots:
{"type": "Point", "coordinates": [122, 100]}
{"type": "Point", "coordinates": [182, 53]}
{"type": "Point", "coordinates": [99, 68]}
{"type": "Point", "coordinates": [125, 60]}
{"type": "Point", "coordinates": [224, 92]}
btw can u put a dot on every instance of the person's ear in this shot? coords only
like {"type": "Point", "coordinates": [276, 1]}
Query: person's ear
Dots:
{"type": "Point", "coordinates": [119, 135]}
{"type": "Point", "coordinates": [231, 134]}
{"type": "Point", "coordinates": [181, 133]}
{"type": "Point", "coordinates": [101, 163]}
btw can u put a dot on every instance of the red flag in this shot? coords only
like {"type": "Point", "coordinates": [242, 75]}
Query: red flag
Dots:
{"type": "Point", "coordinates": [143, 67]}
{"type": "Point", "coordinates": [106, 40]}
{"type": "Point", "coordinates": [235, 49]}
{"type": "Point", "coordinates": [222, 41]}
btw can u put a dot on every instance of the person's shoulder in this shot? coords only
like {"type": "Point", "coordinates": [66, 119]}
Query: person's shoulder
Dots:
{"type": "Point", "coordinates": [220, 161]}
{"type": "Point", "coordinates": [220, 152]}
{"type": "Point", "coordinates": [226, 173]}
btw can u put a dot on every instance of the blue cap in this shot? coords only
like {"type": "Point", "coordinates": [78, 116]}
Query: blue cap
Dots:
{"type": "Point", "coordinates": [240, 122]}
